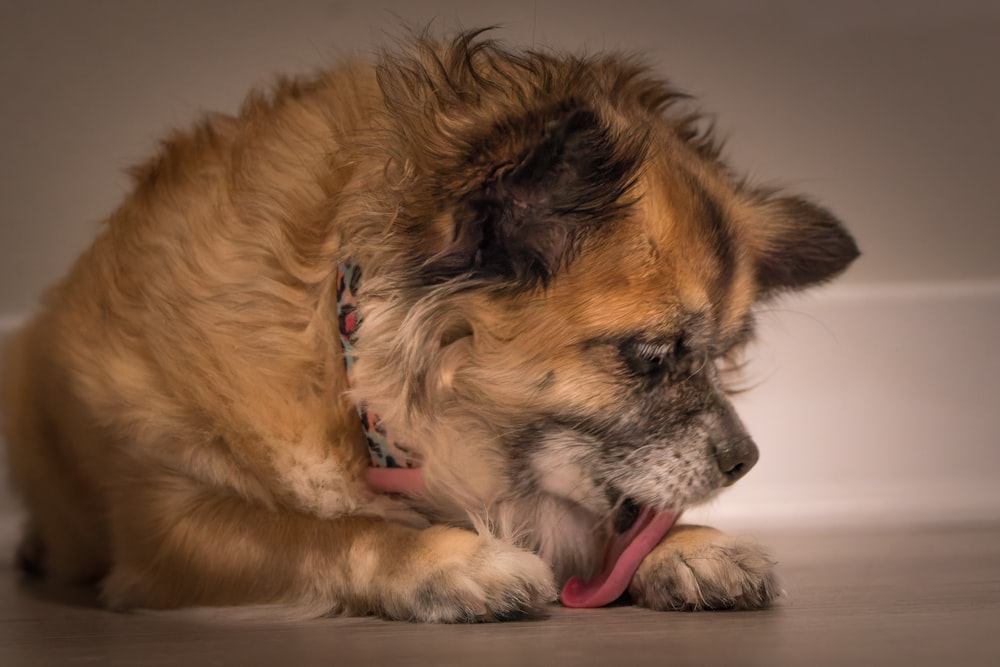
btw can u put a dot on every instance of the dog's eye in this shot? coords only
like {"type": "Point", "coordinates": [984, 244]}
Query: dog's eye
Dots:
{"type": "Point", "coordinates": [646, 358]}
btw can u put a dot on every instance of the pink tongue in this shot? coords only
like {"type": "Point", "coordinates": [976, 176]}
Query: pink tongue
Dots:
{"type": "Point", "coordinates": [621, 560]}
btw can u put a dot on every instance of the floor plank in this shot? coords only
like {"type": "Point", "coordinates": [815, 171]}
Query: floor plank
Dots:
{"type": "Point", "coordinates": [914, 596]}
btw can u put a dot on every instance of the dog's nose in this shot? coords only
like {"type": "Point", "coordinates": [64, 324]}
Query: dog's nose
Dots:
{"type": "Point", "coordinates": [735, 458]}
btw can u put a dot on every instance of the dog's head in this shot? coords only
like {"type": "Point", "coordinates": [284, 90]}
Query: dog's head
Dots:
{"type": "Point", "coordinates": [568, 267]}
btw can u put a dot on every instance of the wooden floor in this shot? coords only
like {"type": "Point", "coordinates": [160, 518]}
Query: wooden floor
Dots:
{"type": "Point", "coordinates": [928, 596]}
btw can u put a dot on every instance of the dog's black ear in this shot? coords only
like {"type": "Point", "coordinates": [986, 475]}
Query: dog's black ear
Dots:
{"type": "Point", "coordinates": [799, 244]}
{"type": "Point", "coordinates": [522, 222]}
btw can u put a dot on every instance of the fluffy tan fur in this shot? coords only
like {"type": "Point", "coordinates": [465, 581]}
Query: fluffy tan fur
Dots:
{"type": "Point", "coordinates": [177, 416]}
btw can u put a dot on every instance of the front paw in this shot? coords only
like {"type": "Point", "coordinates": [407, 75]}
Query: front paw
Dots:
{"type": "Point", "coordinates": [464, 577]}
{"type": "Point", "coordinates": [701, 568]}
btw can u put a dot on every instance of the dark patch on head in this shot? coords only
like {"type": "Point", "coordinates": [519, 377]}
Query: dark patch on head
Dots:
{"type": "Point", "coordinates": [525, 221]}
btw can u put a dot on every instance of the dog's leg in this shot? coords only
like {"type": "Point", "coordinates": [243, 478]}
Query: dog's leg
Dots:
{"type": "Point", "coordinates": [695, 567]}
{"type": "Point", "coordinates": [206, 548]}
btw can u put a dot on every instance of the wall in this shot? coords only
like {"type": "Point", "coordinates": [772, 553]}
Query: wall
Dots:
{"type": "Point", "coordinates": [877, 397]}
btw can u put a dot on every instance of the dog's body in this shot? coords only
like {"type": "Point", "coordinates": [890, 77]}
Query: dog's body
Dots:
{"type": "Point", "coordinates": [553, 260]}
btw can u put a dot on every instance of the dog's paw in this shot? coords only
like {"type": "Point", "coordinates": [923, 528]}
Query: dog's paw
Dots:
{"type": "Point", "coordinates": [466, 577]}
{"type": "Point", "coordinates": [697, 568]}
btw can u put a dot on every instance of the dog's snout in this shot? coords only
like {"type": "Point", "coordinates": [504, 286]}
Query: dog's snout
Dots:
{"type": "Point", "coordinates": [735, 457]}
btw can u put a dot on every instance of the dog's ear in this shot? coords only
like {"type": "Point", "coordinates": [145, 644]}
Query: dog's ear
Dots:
{"type": "Point", "coordinates": [798, 244]}
{"type": "Point", "coordinates": [522, 221]}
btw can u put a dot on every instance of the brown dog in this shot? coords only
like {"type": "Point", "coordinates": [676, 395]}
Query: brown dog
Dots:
{"type": "Point", "coordinates": [554, 266]}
